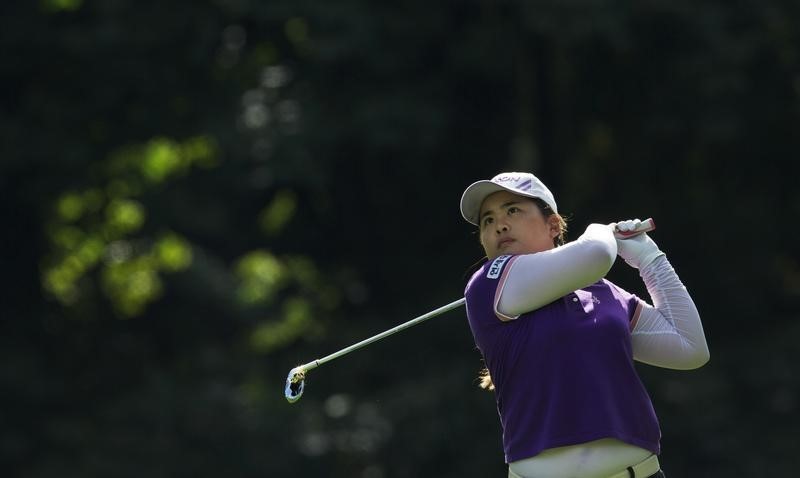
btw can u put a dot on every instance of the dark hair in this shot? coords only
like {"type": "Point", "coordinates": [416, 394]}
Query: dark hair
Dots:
{"type": "Point", "coordinates": [560, 239]}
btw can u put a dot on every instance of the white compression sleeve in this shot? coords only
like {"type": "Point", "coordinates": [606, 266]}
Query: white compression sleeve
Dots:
{"type": "Point", "coordinates": [535, 280]}
{"type": "Point", "coordinates": [670, 334]}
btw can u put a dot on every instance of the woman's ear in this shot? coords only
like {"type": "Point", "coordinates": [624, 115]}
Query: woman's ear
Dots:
{"type": "Point", "coordinates": [555, 226]}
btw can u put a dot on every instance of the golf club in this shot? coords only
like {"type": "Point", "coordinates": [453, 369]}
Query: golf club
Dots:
{"type": "Point", "coordinates": [295, 381]}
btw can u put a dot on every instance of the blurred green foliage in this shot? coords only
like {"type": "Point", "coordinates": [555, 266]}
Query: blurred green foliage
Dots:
{"type": "Point", "coordinates": [95, 227]}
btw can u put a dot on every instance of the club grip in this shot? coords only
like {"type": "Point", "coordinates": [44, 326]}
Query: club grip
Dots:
{"type": "Point", "coordinates": [645, 226]}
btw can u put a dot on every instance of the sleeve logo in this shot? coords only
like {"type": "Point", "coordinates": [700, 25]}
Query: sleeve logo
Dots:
{"type": "Point", "coordinates": [497, 267]}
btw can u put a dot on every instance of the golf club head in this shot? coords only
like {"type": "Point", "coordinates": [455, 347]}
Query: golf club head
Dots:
{"type": "Point", "coordinates": [295, 384]}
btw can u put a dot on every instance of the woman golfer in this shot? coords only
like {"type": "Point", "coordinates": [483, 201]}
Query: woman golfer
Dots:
{"type": "Point", "coordinates": [559, 340]}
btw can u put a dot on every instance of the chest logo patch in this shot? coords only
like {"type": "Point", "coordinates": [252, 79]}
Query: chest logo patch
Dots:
{"type": "Point", "coordinates": [496, 267]}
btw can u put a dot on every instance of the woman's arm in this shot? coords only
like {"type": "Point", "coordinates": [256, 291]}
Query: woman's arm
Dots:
{"type": "Point", "coordinates": [669, 333]}
{"type": "Point", "coordinates": [534, 280]}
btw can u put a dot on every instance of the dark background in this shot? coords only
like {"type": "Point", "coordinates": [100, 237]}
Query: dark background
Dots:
{"type": "Point", "coordinates": [200, 195]}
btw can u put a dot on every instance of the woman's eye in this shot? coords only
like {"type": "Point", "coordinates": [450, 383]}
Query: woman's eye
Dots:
{"type": "Point", "coordinates": [487, 221]}
{"type": "Point", "coordinates": [513, 209]}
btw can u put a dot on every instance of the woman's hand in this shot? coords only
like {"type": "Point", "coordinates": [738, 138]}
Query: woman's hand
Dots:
{"type": "Point", "coordinates": [639, 250]}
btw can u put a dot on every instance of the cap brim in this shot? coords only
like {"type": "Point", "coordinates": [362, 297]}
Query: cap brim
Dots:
{"type": "Point", "coordinates": [473, 197]}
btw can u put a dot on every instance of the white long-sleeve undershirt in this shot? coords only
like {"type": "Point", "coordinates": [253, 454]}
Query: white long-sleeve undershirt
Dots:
{"type": "Point", "coordinates": [535, 280]}
{"type": "Point", "coordinates": [667, 334]}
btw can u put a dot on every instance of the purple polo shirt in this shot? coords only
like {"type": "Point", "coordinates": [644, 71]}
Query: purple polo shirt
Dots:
{"type": "Point", "coordinates": [564, 373]}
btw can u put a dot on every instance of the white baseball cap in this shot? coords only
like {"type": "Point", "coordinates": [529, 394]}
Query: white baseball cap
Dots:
{"type": "Point", "coordinates": [524, 184]}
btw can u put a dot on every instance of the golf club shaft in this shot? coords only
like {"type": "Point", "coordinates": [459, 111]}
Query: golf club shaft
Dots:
{"type": "Point", "coordinates": [422, 318]}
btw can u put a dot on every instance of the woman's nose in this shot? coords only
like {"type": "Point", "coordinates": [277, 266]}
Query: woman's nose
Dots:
{"type": "Point", "coordinates": [501, 227]}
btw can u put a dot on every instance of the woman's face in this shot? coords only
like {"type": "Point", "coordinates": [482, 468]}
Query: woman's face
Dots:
{"type": "Point", "coordinates": [512, 224]}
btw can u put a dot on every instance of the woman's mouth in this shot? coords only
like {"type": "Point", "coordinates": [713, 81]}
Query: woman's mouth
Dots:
{"type": "Point", "coordinates": [504, 242]}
